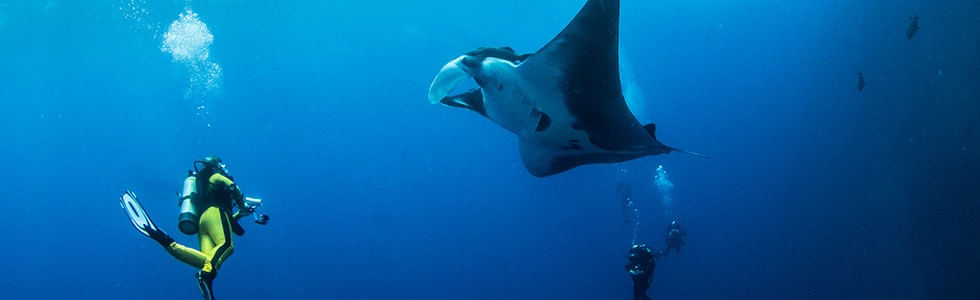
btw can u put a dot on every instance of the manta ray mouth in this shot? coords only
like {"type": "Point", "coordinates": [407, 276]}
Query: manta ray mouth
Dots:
{"type": "Point", "coordinates": [452, 75]}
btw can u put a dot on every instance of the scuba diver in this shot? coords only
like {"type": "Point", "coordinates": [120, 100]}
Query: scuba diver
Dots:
{"type": "Point", "coordinates": [640, 263]}
{"type": "Point", "coordinates": [861, 82]}
{"type": "Point", "coordinates": [913, 26]}
{"type": "Point", "coordinates": [675, 237]}
{"type": "Point", "coordinates": [206, 210]}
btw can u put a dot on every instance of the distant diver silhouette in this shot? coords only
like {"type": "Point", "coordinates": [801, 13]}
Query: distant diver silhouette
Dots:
{"type": "Point", "coordinates": [860, 81]}
{"type": "Point", "coordinates": [913, 26]}
{"type": "Point", "coordinates": [675, 237]}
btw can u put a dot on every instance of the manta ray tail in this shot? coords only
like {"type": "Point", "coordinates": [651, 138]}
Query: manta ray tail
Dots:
{"type": "Point", "coordinates": [652, 130]}
{"type": "Point", "coordinates": [689, 152]}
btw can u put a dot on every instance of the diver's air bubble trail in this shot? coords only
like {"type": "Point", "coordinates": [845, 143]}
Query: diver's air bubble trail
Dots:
{"type": "Point", "coordinates": [634, 215]}
{"type": "Point", "coordinates": [664, 186]}
{"type": "Point", "coordinates": [188, 41]}
{"type": "Point", "coordinates": [636, 224]}
{"type": "Point", "coordinates": [631, 215]}
{"type": "Point", "coordinates": [135, 11]}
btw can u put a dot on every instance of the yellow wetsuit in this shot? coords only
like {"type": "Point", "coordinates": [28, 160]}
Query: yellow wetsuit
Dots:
{"type": "Point", "coordinates": [215, 226]}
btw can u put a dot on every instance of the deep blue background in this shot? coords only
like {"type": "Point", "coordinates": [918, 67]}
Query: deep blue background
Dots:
{"type": "Point", "coordinates": [814, 191]}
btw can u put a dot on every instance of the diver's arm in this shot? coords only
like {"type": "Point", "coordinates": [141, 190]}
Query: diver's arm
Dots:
{"type": "Point", "coordinates": [236, 195]}
{"type": "Point", "coordinates": [239, 198]}
{"type": "Point", "coordinates": [243, 211]}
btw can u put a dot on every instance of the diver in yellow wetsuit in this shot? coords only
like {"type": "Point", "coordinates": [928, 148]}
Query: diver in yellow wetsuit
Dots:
{"type": "Point", "coordinates": [217, 193]}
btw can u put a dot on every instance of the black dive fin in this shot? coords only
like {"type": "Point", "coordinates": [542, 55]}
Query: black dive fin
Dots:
{"type": "Point", "coordinates": [205, 286]}
{"type": "Point", "coordinates": [137, 215]}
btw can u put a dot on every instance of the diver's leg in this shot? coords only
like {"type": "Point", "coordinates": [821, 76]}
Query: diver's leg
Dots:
{"type": "Point", "coordinates": [640, 286]}
{"type": "Point", "coordinates": [204, 283]}
{"type": "Point", "coordinates": [216, 244]}
{"type": "Point", "coordinates": [637, 291]}
{"type": "Point", "coordinates": [187, 255]}
{"type": "Point", "coordinates": [204, 239]}
{"type": "Point", "coordinates": [646, 285]}
{"type": "Point", "coordinates": [216, 225]}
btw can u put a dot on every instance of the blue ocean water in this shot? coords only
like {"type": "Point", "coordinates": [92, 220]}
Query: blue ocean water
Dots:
{"type": "Point", "coordinates": [814, 190]}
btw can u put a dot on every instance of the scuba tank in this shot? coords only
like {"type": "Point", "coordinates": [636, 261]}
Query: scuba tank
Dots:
{"type": "Point", "coordinates": [188, 219]}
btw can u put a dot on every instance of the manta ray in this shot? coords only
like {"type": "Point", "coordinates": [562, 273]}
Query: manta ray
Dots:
{"type": "Point", "coordinates": [564, 102]}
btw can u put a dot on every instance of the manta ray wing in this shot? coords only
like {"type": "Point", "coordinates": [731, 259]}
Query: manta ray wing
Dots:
{"type": "Point", "coordinates": [582, 65]}
{"type": "Point", "coordinates": [575, 79]}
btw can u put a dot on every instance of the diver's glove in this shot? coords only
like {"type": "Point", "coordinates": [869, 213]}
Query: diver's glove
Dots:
{"type": "Point", "coordinates": [158, 235]}
{"type": "Point", "coordinates": [243, 212]}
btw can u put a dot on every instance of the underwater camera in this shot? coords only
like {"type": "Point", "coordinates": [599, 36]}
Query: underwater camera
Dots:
{"type": "Point", "coordinates": [252, 204]}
